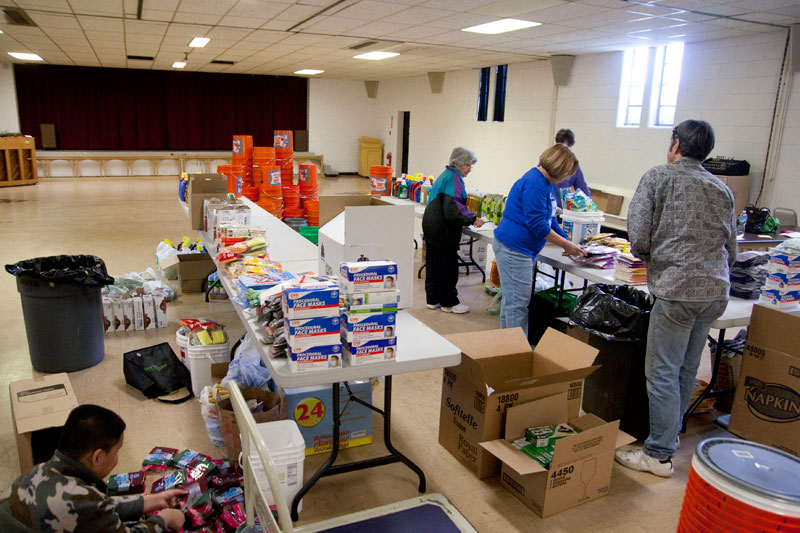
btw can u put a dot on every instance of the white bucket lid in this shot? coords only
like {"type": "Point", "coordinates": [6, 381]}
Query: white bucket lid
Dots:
{"type": "Point", "coordinates": [753, 473]}
{"type": "Point", "coordinates": [588, 217]}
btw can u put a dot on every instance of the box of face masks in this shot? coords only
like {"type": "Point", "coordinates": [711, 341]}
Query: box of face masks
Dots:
{"type": "Point", "coordinates": [368, 276]}
{"type": "Point", "coordinates": [375, 351]}
{"type": "Point", "coordinates": [315, 300]}
{"type": "Point", "coordinates": [365, 327]}
{"type": "Point", "coordinates": [315, 358]}
{"type": "Point", "coordinates": [308, 332]}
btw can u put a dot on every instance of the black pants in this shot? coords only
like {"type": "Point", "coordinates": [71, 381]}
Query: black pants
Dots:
{"type": "Point", "coordinates": [441, 276]}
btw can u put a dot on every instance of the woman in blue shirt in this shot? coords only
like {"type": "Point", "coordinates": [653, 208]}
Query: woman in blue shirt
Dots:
{"type": "Point", "coordinates": [528, 223]}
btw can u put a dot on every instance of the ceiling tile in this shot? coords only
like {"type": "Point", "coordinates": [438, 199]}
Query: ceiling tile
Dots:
{"type": "Point", "coordinates": [334, 24]}
{"type": "Point", "coordinates": [378, 29]}
{"type": "Point", "coordinates": [157, 15]}
{"type": "Point", "coordinates": [47, 20]}
{"type": "Point", "coordinates": [242, 22]}
{"type": "Point", "coordinates": [206, 7]}
{"type": "Point", "coordinates": [57, 33]}
{"type": "Point", "coordinates": [187, 30]}
{"type": "Point", "coordinates": [418, 15]}
{"type": "Point", "coordinates": [195, 18]}
{"type": "Point", "coordinates": [100, 23]}
{"type": "Point", "coordinates": [370, 10]}
{"type": "Point", "coordinates": [110, 36]}
{"type": "Point", "coordinates": [297, 12]}
{"type": "Point", "coordinates": [230, 34]}
{"type": "Point", "coordinates": [97, 7]}
{"type": "Point", "coordinates": [146, 27]}
{"type": "Point", "coordinates": [279, 25]}
{"type": "Point", "coordinates": [257, 9]}
{"type": "Point", "coordinates": [45, 5]}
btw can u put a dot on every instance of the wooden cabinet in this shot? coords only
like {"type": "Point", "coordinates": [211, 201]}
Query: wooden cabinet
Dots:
{"type": "Point", "coordinates": [370, 152]}
{"type": "Point", "coordinates": [17, 161]}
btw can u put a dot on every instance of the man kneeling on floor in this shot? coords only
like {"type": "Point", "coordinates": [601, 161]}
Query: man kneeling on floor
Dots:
{"type": "Point", "coordinates": [67, 493]}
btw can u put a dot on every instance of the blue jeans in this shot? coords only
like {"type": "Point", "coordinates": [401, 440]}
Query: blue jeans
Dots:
{"type": "Point", "coordinates": [675, 341]}
{"type": "Point", "coordinates": [516, 280]}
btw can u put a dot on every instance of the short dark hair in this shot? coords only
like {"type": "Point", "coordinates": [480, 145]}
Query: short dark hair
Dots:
{"type": "Point", "coordinates": [89, 428]}
{"type": "Point", "coordinates": [565, 136]}
{"type": "Point", "coordinates": [696, 138]}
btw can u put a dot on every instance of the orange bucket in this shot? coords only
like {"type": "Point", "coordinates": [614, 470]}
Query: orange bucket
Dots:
{"type": "Point", "coordinates": [283, 139]}
{"type": "Point", "coordinates": [307, 173]}
{"type": "Point", "coordinates": [243, 146]}
{"type": "Point", "coordinates": [235, 175]}
{"type": "Point", "coordinates": [381, 180]}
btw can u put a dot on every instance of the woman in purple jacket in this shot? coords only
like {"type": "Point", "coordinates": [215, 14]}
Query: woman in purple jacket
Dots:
{"type": "Point", "coordinates": [576, 181]}
{"type": "Point", "coordinates": [528, 223]}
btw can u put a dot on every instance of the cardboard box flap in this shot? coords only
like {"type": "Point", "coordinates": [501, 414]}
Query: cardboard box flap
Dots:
{"type": "Point", "coordinates": [359, 230]}
{"type": "Point", "coordinates": [207, 183]}
{"type": "Point", "coordinates": [773, 328]}
{"type": "Point", "coordinates": [550, 379]}
{"type": "Point", "coordinates": [545, 411]}
{"type": "Point", "coordinates": [601, 438]}
{"type": "Point", "coordinates": [496, 359]}
{"type": "Point", "coordinates": [42, 402]}
{"type": "Point", "coordinates": [557, 352]}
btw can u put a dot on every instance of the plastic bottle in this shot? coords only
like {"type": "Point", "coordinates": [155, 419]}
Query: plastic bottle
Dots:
{"type": "Point", "coordinates": [742, 222]}
{"type": "Point", "coordinates": [402, 190]}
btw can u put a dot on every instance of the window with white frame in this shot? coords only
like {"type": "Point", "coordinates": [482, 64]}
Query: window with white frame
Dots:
{"type": "Point", "coordinates": [666, 79]}
{"type": "Point", "coordinates": [649, 88]}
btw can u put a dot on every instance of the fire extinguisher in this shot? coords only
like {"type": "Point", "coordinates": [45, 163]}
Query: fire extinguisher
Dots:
{"type": "Point", "coordinates": [389, 159]}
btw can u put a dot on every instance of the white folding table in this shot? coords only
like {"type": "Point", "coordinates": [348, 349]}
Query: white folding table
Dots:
{"type": "Point", "coordinates": [418, 348]}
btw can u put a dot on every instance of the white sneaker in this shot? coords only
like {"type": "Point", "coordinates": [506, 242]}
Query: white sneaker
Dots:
{"type": "Point", "coordinates": [636, 459]}
{"type": "Point", "coordinates": [459, 309]}
{"type": "Point", "coordinates": [432, 306]}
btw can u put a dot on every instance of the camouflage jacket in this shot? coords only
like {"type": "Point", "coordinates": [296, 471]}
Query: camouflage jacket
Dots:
{"type": "Point", "coordinates": [63, 495]}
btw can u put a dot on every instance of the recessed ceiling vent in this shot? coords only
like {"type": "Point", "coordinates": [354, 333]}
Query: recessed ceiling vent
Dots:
{"type": "Point", "coordinates": [17, 17]}
{"type": "Point", "coordinates": [141, 58]}
{"type": "Point", "coordinates": [221, 62]}
{"type": "Point", "coordinates": [364, 44]}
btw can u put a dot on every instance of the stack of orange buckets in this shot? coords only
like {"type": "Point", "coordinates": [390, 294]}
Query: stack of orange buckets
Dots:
{"type": "Point", "coordinates": [307, 182]}
{"type": "Point", "coordinates": [243, 157]}
{"type": "Point", "coordinates": [267, 176]}
{"type": "Point", "coordinates": [284, 156]}
{"type": "Point", "coordinates": [235, 175]}
{"type": "Point", "coordinates": [381, 180]}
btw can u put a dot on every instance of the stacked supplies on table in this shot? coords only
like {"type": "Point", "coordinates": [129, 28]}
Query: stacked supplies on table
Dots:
{"type": "Point", "coordinates": [369, 316]}
{"type": "Point", "coordinates": [782, 286]}
{"type": "Point", "coordinates": [311, 325]}
{"type": "Point", "coordinates": [748, 274]}
{"type": "Point", "coordinates": [597, 256]}
{"type": "Point", "coordinates": [630, 270]}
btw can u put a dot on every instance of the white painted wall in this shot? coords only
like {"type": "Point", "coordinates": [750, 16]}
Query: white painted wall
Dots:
{"type": "Point", "coordinates": [786, 187]}
{"type": "Point", "coordinates": [440, 122]}
{"type": "Point", "coordinates": [339, 112]}
{"type": "Point", "coordinates": [9, 117]}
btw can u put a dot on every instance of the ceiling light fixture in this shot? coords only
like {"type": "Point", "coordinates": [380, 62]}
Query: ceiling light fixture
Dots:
{"type": "Point", "coordinates": [181, 64]}
{"type": "Point", "coordinates": [308, 71]}
{"type": "Point", "coordinates": [501, 26]}
{"type": "Point", "coordinates": [376, 56]}
{"type": "Point", "coordinates": [25, 56]}
{"type": "Point", "coordinates": [199, 42]}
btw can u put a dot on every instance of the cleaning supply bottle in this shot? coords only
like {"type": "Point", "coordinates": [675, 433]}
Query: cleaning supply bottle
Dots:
{"type": "Point", "coordinates": [402, 189]}
{"type": "Point", "coordinates": [741, 223]}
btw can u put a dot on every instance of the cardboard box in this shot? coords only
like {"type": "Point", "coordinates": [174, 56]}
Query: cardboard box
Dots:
{"type": "Point", "coordinates": [149, 315]}
{"type": "Point", "coordinates": [119, 315]}
{"type": "Point", "coordinates": [311, 408]}
{"type": "Point", "coordinates": [273, 410]}
{"type": "Point", "coordinates": [607, 202]}
{"type": "Point", "coordinates": [108, 315]}
{"type": "Point", "coordinates": [202, 186]}
{"type": "Point", "coordinates": [499, 370]}
{"type": "Point", "coordinates": [581, 466]}
{"type": "Point", "coordinates": [39, 408]}
{"type": "Point", "coordinates": [138, 313]}
{"type": "Point", "coordinates": [160, 303]}
{"type": "Point", "coordinates": [740, 187]}
{"type": "Point", "coordinates": [361, 228]}
{"type": "Point", "coordinates": [193, 269]}
{"type": "Point", "coordinates": [127, 311]}
{"type": "Point", "coordinates": [779, 298]}
{"type": "Point", "coordinates": [766, 406]}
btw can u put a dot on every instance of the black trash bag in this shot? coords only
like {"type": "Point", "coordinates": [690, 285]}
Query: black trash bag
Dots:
{"type": "Point", "coordinates": [81, 269]}
{"type": "Point", "coordinates": [156, 371]}
{"type": "Point", "coordinates": [614, 312]}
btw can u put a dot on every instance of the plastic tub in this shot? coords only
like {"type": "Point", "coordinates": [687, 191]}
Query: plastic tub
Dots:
{"type": "Point", "coordinates": [310, 232]}
{"type": "Point", "coordinates": [199, 362]}
{"type": "Point", "coordinates": [183, 344]}
{"type": "Point", "coordinates": [580, 226]}
{"type": "Point", "coordinates": [288, 450]}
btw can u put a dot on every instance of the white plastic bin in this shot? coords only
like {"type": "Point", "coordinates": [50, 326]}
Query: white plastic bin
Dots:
{"type": "Point", "coordinates": [288, 449]}
{"type": "Point", "coordinates": [580, 226]}
{"type": "Point", "coordinates": [199, 359]}
{"type": "Point", "coordinates": [183, 344]}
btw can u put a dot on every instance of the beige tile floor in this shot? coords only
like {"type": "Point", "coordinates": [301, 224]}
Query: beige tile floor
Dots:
{"type": "Point", "coordinates": [122, 220]}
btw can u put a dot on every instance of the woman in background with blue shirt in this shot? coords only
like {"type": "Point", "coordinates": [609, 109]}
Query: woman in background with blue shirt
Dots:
{"type": "Point", "coordinates": [528, 223]}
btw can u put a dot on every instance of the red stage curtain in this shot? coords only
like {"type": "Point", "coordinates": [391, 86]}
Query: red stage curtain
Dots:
{"type": "Point", "coordinates": [129, 109]}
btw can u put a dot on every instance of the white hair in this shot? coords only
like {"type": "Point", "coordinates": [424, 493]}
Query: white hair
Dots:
{"type": "Point", "coordinates": [462, 156]}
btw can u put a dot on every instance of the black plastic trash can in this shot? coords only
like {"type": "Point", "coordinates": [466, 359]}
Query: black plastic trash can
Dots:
{"type": "Point", "coordinates": [63, 310]}
{"type": "Point", "coordinates": [614, 319]}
